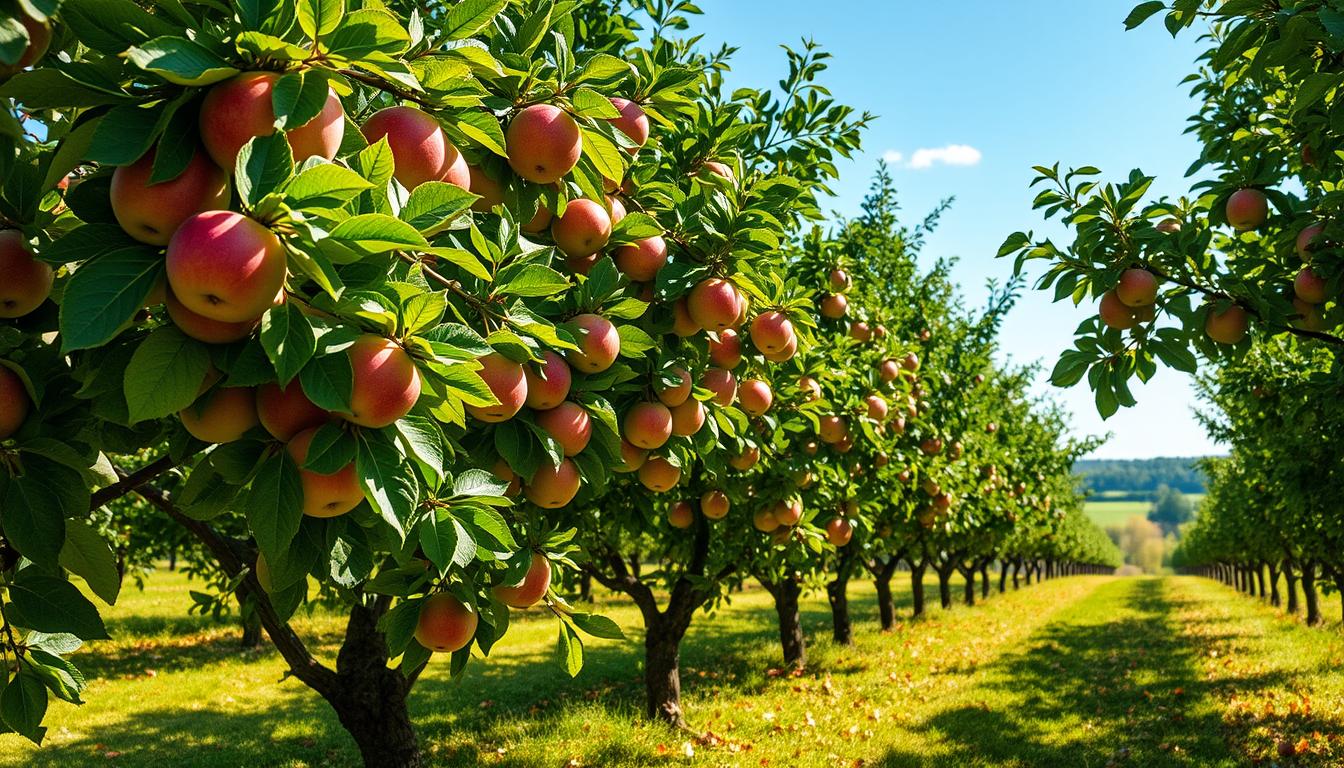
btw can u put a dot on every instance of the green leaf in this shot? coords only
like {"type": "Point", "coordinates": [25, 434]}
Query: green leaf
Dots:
{"type": "Point", "coordinates": [470, 16]}
{"type": "Point", "coordinates": [325, 186]}
{"type": "Point", "coordinates": [87, 555]}
{"type": "Point", "coordinates": [530, 280]}
{"type": "Point", "coordinates": [376, 233]}
{"type": "Point", "coordinates": [424, 439]}
{"type": "Point", "coordinates": [23, 704]}
{"type": "Point", "coordinates": [608, 158]}
{"type": "Point", "coordinates": [49, 604]}
{"type": "Point", "coordinates": [274, 505]}
{"type": "Point", "coordinates": [165, 374]}
{"type": "Point", "coordinates": [36, 504]}
{"type": "Point", "coordinates": [263, 166]}
{"type": "Point", "coordinates": [298, 97]}
{"type": "Point", "coordinates": [478, 482]}
{"type": "Point", "coordinates": [482, 127]}
{"type": "Point", "coordinates": [181, 61]}
{"type": "Point", "coordinates": [105, 294]}
{"type": "Point", "coordinates": [60, 676]}
{"type": "Point", "coordinates": [634, 340]}
{"type": "Point", "coordinates": [328, 382]}
{"type": "Point", "coordinates": [125, 133]}
{"type": "Point", "coordinates": [288, 339]}
{"type": "Point", "coordinates": [368, 31]}
{"type": "Point", "coordinates": [435, 204]}
{"type": "Point", "coordinates": [569, 649]}
{"type": "Point", "coordinates": [423, 311]}
{"type": "Point", "coordinates": [445, 541]}
{"type": "Point", "coordinates": [484, 520]}
{"type": "Point", "coordinates": [1142, 13]}
{"type": "Point", "coordinates": [388, 483]}
{"type": "Point", "coordinates": [602, 67]}
{"type": "Point", "coordinates": [319, 18]}
{"type": "Point", "coordinates": [331, 450]}
{"type": "Point", "coordinates": [589, 103]}
{"type": "Point", "coordinates": [46, 88]}
{"type": "Point", "coordinates": [597, 626]}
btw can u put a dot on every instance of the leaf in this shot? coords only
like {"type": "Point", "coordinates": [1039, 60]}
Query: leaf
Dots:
{"type": "Point", "coordinates": [530, 280]}
{"type": "Point", "coordinates": [288, 339]}
{"type": "Point", "coordinates": [298, 97]}
{"type": "Point", "coordinates": [319, 18]}
{"type": "Point", "coordinates": [635, 341]}
{"type": "Point", "coordinates": [1142, 12]}
{"type": "Point", "coordinates": [589, 103]}
{"type": "Point", "coordinates": [45, 88]}
{"type": "Point", "coordinates": [602, 67]}
{"type": "Point", "coordinates": [328, 382]}
{"type": "Point", "coordinates": [570, 649]}
{"type": "Point", "coordinates": [434, 204]}
{"type": "Point", "coordinates": [485, 520]}
{"type": "Point", "coordinates": [274, 505]}
{"type": "Point", "coordinates": [330, 450]}
{"type": "Point", "coordinates": [469, 17]}
{"type": "Point", "coordinates": [264, 164]}
{"type": "Point", "coordinates": [180, 61]}
{"type": "Point", "coordinates": [478, 482]}
{"type": "Point", "coordinates": [23, 704]}
{"type": "Point", "coordinates": [368, 31]}
{"type": "Point", "coordinates": [375, 233]}
{"type": "Point", "coordinates": [445, 542]}
{"type": "Point", "coordinates": [165, 374]}
{"type": "Point", "coordinates": [597, 626]}
{"type": "Point", "coordinates": [325, 186]}
{"type": "Point", "coordinates": [389, 485]}
{"type": "Point", "coordinates": [36, 505]}
{"type": "Point", "coordinates": [87, 555]}
{"type": "Point", "coordinates": [608, 158]}
{"type": "Point", "coordinates": [125, 133]}
{"type": "Point", "coordinates": [60, 676]}
{"type": "Point", "coordinates": [49, 604]}
{"type": "Point", "coordinates": [105, 294]}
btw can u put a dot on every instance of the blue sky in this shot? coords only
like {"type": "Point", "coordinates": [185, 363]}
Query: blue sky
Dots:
{"type": "Point", "coordinates": [968, 101]}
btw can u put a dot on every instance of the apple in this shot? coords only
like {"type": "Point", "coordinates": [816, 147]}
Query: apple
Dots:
{"type": "Point", "coordinates": [839, 280]}
{"type": "Point", "coordinates": [877, 407]}
{"type": "Point", "coordinates": [1169, 226]}
{"type": "Point", "coordinates": [1114, 313]}
{"type": "Point", "coordinates": [225, 266]}
{"type": "Point", "coordinates": [746, 459]}
{"type": "Point", "coordinates": [632, 457]}
{"type": "Point", "coordinates": [14, 402]}
{"type": "Point", "coordinates": [554, 486]}
{"type": "Point", "coordinates": [39, 39]}
{"type": "Point", "coordinates": [722, 383]}
{"type": "Point", "coordinates": [832, 429]}
{"type": "Point", "coordinates": [328, 495]}
{"type": "Point", "coordinates": [860, 331]}
{"type": "Point", "coordinates": [683, 324]}
{"type": "Point", "coordinates": [1228, 326]}
{"type": "Point", "coordinates": [714, 505]}
{"type": "Point", "coordinates": [642, 259]}
{"type": "Point", "coordinates": [1309, 286]}
{"type": "Point", "coordinates": [239, 109]}
{"type": "Point", "coordinates": [531, 589]}
{"type": "Point", "coordinates": [910, 362]}
{"type": "Point", "coordinates": [1247, 209]}
{"type": "Point", "coordinates": [688, 418]}
{"type": "Point", "coordinates": [772, 331]}
{"type": "Point", "coordinates": [490, 191]}
{"type": "Point", "coordinates": [203, 328]}
{"type": "Point", "coordinates": [1307, 240]}
{"type": "Point", "coordinates": [722, 170]}
{"type": "Point", "coordinates": [386, 382]}
{"type": "Point", "coordinates": [659, 475]}
{"type": "Point", "coordinates": [834, 306]}
{"type": "Point", "coordinates": [543, 143]}
{"type": "Point", "coordinates": [583, 230]}
{"type": "Point", "coordinates": [844, 444]}
{"type": "Point", "coordinates": [287, 411]}
{"type": "Point", "coordinates": [505, 473]}
{"type": "Point", "coordinates": [681, 515]}
{"type": "Point", "coordinates": [932, 446]}
{"type": "Point", "coordinates": [1308, 316]}
{"type": "Point", "coordinates": [598, 342]}
{"type": "Point", "coordinates": [632, 122]}
{"type": "Point", "coordinates": [569, 424]}
{"type": "Point", "coordinates": [788, 512]}
{"type": "Point", "coordinates": [839, 531]}
{"type": "Point", "coordinates": [783, 355]}
{"type": "Point", "coordinates": [726, 351]}
{"type": "Point", "coordinates": [618, 211]}
{"type": "Point", "coordinates": [540, 222]}
{"type": "Point", "coordinates": [221, 415]}
{"type": "Point", "coordinates": [548, 382]}
{"type": "Point", "coordinates": [507, 382]}
{"type": "Point", "coordinates": [675, 395]}
{"type": "Point", "coordinates": [764, 519]}
{"type": "Point", "coordinates": [810, 388]}
{"type": "Point", "coordinates": [1137, 288]}
{"type": "Point", "coordinates": [27, 281]}
{"type": "Point", "coordinates": [755, 396]}
{"type": "Point", "coordinates": [889, 370]}
{"type": "Point", "coordinates": [714, 304]}
{"type": "Point", "coordinates": [151, 213]}
{"type": "Point", "coordinates": [648, 425]}
{"type": "Point", "coordinates": [421, 150]}
{"type": "Point", "coordinates": [446, 624]}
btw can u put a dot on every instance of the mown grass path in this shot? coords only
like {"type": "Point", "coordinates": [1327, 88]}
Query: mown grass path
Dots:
{"type": "Point", "coordinates": [1085, 672]}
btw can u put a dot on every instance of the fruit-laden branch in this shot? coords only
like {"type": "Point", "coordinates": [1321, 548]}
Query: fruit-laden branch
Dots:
{"type": "Point", "coordinates": [229, 553]}
{"type": "Point", "coordinates": [1212, 293]}
{"type": "Point", "coordinates": [129, 483]}
{"type": "Point", "coordinates": [387, 87]}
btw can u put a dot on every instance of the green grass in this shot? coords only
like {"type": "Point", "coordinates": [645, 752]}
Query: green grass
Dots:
{"type": "Point", "coordinates": [1078, 672]}
{"type": "Point", "coordinates": [1114, 514]}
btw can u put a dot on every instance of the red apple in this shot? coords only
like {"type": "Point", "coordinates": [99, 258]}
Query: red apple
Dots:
{"type": "Point", "coordinates": [287, 411]}
{"type": "Point", "coordinates": [421, 150]}
{"type": "Point", "coordinates": [659, 475]}
{"type": "Point", "coordinates": [151, 213]}
{"type": "Point", "coordinates": [324, 495]}
{"type": "Point", "coordinates": [632, 122]}
{"type": "Point", "coordinates": [755, 396]}
{"type": "Point", "coordinates": [714, 505]}
{"type": "Point", "coordinates": [1137, 288]}
{"type": "Point", "coordinates": [531, 589]}
{"type": "Point", "coordinates": [1247, 209]}
{"type": "Point", "coordinates": [553, 486]}
{"type": "Point", "coordinates": [726, 350]}
{"type": "Point", "coordinates": [648, 425]}
{"type": "Point", "coordinates": [27, 281]}
{"type": "Point", "coordinates": [507, 382]}
{"type": "Point", "coordinates": [386, 382]}
{"type": "Point", "coordinates": [221, 415]}
{"type": "Point", "coordinates": [239, 109]}
{"type": "Point", "coordinates": [583, 230]}
{"type": "Point", "coordinates": [688, 417]}
{"type": "Point", "coordinates": [772, 331]}
{"type": "Point", "coordinates": [543, 143]}
{"type": "Point", "coordinates": [641, 260]}
{"type": "Point", "coordinates": [680, 515]}
{"type": "Point", "coordinates": [446, 624]}
{"type": "Point", "coordinates": [569, 424]}
{"type": "Point", "coordinates": [674, 395]}
{"type": "Point", "coordinates": [1309, 286]}
{"type": "Point", "coordinates": [834, 306]}
{"type": "Point", "coordinates": [598, 342]}
{"type": "Point", "coordinates": [225, 266]}
{"type": "Point", "coordinates": [14, 403]}
{"type": "Point", "coordinates": [722, 383]}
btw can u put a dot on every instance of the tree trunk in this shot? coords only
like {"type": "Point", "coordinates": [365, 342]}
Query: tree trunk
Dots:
{"type": "Point", "coordinates": [1260, 578]}
{"type": "Point", "coordinates": [837, 593]}
{"type": "Point", "coordinates": [586, 587]}
{"type": "Point", "coordinates": [1274, 598]}
{"type": "Point", "coordinates": [944, 585]}
{"type": "Point", "coordinates": [969, 588]}
{"type": "Point", "coordinates": [791, 641]}
{"type": "Point", "coordinates": [886, 607]}
{"type": "Point", "coordinates": [1030, 566]}
{"type": "Point", "coordinates": [1312, 599]}
{"type": "Point", "coordinates": [984, 579]}
{"type": "Point", "coordinates": [1003, 576]}
{"type": "Point", "coordinates": [251, 629]}
{"type": "Point", "coordinates": [1017, 571]}
{"type": "Point", "coordinates": [662, 671]}
{"type": "Point", "coordinates": [370, 697]}
{"type": "Point", "coordinates": [917, 587]}
{"type": "Point", "coordinates": [1290, 579]}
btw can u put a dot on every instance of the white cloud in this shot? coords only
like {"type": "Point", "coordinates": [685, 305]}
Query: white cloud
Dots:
{"type": "Point", "coordinates": [952, 154]}
{"type": "Point", "coordinates": [893, 157]}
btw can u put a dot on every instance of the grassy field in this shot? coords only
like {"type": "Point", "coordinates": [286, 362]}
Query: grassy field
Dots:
{"type": "Point", "coordinates": [1079, 672]}
{"type": "Point", "coordinates": [1110, 512]}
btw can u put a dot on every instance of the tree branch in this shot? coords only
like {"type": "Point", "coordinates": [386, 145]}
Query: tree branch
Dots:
{"type": "Point", "coordinates": [129, 483]}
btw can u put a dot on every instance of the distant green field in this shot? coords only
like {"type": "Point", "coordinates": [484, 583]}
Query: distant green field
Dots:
{"type": "Point", "coordinates": [1107, 513]}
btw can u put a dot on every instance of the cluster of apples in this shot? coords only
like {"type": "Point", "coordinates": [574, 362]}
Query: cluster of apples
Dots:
{"type": "Point", "coordinates": [446, 624]}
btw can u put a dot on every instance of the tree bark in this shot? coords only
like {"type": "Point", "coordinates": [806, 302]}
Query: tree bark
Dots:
{"type": "Point", "coordinates": [837, 593]}
{"type": "Point", "coordinates": [251, 623]}
{"type": "Point", "coordinates": [1309, 594]}
{"type": "Point", "coordinates": [917, 587]}
{"type": "Point", "coordinates": [1017, 571]}
{"type": "Point", "coordinates": [662, 672]}
{"type": "Point", "coordinates": [1030, 566]}
{"type": "Point", "coordinates": [791, 641]}
{"type": "Point", "coordinates": [586, 587]}
{"type": "Point", "coordinates": [968, 589]}
{"type": "Point", "coordinates": [944, 585]}
{"type": "Point", "coordinates": [984, 579]}
{"type": "Point", "coordinates": [1260, 579]}
{"type": "Point", "coordinates": [1274, 598]}
{"type": "Point", "coordinates": [1003, 576]}
{"type": "Point", "coordinates": [886, 607]}
{"type": "Point", "coordinates": [370, 698]}
{"type": "Point", "coordinates": [1290, 579]}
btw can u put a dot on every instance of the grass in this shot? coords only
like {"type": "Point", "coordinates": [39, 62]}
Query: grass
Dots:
{"type": "Point", "coordinates": [1114, 514]}
{"type": "Point", "coordinates": [1078, 672]}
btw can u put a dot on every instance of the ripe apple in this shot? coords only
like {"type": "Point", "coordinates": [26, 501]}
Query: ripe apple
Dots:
{"type": "Point", "coordinates": [648, 425]}
{"type": "Point", "coordinates": [14, 403]}
{"type": "Point", "coordinates": [834, 306]}
{"type": "Point", "coordinates": [632, 457]}
{"type": "Point", "coordinates": [548, 382]}
{"type": "Point", "coordinates": [569, 424]}
{"type": "Point", "coordinates": [764, 519]}
{"type": "Point", "coordinates": [151, 213]}
{"type": "Point", "coordinates": [675, 395]}
{"type": "Point", "coordinates": [540, 222]}
{"type": "Point", "coordinates": [543, 143]}
{"type": "Point", "coordinates": [553, 486]}
{"type": "Point", "coordinates": [833, 429]}
{"type": "Point", "coordinates": [722, 383]}
{"type": "Point", "coordinates": [505, 473]}
{"type": "Point", "coordinates": [239, 109]}
{"type": "Point", "coordinates": [839, 531]}
{"type": "Point", "coordinates": [632, 122]}
{"type": "Point", "coordinates": [726, 351]}
{"type": "Point", "coordinates": [324, 495]}
{"type": "Point", "coordinates": [714, 304]}
{"type": "Point", "coordinates": [1228, 326]}
{"type": "Point", "coordinates": [598, 343]}
{"type": "Point", "coordinates": [618, 211]}
{"type": "Point", "coordinates": [221, 415]}
{"type": "Point", "coordinates": [1307, 240]}
{"type": "Point", "coordinates": [490, 191]}
{"type": "Point", "coordinates": [1308, 316]}
{"type": "Point", "coordinates": [659, 475]}
{"type": "Point", "coordinates": [1247, 209]}
{"type": "Point", "coordinates": [714, 505]}
{"type": "Point", "coordinates": [772, 331]}
{"type": "Point", "coordinates": [1137, 288]}
{"type": "Point", "coordinates": [39, 39]}
{"type": "Point", "coordinates": [755, 396]}
{"type": "Point", "coordinates": [839, 280]}
{"type": "Point", "coordinates": [931, 446]}
{"type": "Point", "coordinates": [642, 259]}
{"type": "Point", "coordinates": [421, 150]}
{"type": "Point", "coordinates": [287, 411]}
{"type": "Point", "coordinates": [860, 331]}
{"type": "Point", "coordinates": [531, 589]}
{"type": "Point", "coordinates": [844, 444]}
{"type": "Point", "coordinates": [583, 230]}
{"type": "Point", "coordinates": [507, 382]}
{"type": "Point", "coordinates": [680, 515]}
{"type": "Point", "coordinates": [910, 362]}
{"type": "Point", "coordinates": [722, 170]}
{"type": "Point", "coordinates": [788, 512]}
{"type": "Point", "coordinates": [746, 459]}
{"type": "Point", "coordinates": [386, 382]}
{"type": "Point", "coordinates": [811, 390]}
{"type": "Point", "coordinates": [877, 407]}
{"type": "Point", "coordinates": [688, 418]}
{"type": "Point", "coordinates": [683, 324]}
{"type": "Point", "coordinates": [446, 624]}
{"type": "Point", "coordinates": [1114, 313]}
{"type": "Point", "coordinates": [225, 266]}
{"type": "Point", "coordinates": [1309, 286]}
{"type": "Point", "coordinates": [889, 370]}
{"type": "Point", "coordinates": [1169, 226]}
{"type": "Point", "coordinates": [27, 281]}
{"type": "Point", "coordinates": [203, 328]}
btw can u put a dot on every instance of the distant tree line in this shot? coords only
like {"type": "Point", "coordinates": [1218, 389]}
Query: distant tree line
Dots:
{"type": "Point", "coordinates": [1143, 476]}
